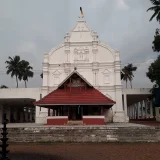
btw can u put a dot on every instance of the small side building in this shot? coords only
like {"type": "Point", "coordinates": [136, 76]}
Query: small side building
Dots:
{"type": "Point", "coordinates": [76, 100]}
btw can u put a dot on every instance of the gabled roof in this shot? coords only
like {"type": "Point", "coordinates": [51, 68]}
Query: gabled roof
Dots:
{"type": "Point", "coordinates": [74, 72]}
{"type": "Point", "coordinates": [75, 95]}
{"type": "Point", "coordinates": [90, 96]}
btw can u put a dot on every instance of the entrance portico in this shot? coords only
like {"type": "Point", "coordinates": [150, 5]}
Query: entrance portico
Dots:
{"type": "Point", "coordinates": [75, 100]}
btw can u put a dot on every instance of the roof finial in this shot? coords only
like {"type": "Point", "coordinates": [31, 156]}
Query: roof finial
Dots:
{"type": "Point", "coordinates": [75, 68]}
{"type": "Point", "coordinates": [82, 14]}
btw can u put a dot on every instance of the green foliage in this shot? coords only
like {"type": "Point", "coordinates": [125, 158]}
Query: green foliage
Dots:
{"type": "Point", "coordinates": [128, 73]}
{"type": "Point", "coordinates": [156, 42]}
{"type": "Point", "coordinates": [19, 68]}
{"type": "Point", "coordinates": [156, 9]}
{"type": "Point", "coordinates": [26, 71]}
{"type": "Point", "coordinates": [14, 67]}
{"type": "Point", "coordinates": [154, 72]}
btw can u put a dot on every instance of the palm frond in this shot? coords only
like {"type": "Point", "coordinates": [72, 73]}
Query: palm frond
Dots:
{"type": "Point", "coordinates": [155, 2]}
{"type": "Point", "coordinates": [155, 13]}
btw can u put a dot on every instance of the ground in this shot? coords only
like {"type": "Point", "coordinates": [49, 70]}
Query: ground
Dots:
{"type": "Point", "coordinates": [95, 151]}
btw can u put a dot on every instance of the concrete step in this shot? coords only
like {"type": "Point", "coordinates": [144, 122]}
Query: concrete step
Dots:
{"type": "Point", "coordinates": [75, 123]}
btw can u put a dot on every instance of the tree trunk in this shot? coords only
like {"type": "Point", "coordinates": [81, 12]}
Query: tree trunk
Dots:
{"type": "Point", "coordinates": [25, 84]}
{"type": "Point", "coordinates": [126, 83]}
{"type": "Point", "coordinates": [131, 83]}
{"type": "Point", "coordinates": [17, 81]}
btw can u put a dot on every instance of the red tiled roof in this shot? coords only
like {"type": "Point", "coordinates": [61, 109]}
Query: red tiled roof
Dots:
{"type": "Point", "coordinates": [90, 96]}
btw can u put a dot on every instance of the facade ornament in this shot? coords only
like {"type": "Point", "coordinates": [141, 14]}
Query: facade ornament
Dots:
{"type": "Point", "coordinates": [81, 54]}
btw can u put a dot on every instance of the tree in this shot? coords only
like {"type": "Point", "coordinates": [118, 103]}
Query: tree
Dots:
{"type": "Point", "coordinates": [156, 42]}
{"type": "Point", "coordinates": [3, 86]}
{"type": "Point", "coordinates": [128, 73]}
{"type": "Point", "coordinates": [14, 68]}
{"type": "Point", "coordinates": [26, 71]}
{"type": "Point", "coordinates": [125, 75]}
{"type": "Point", "coordinates": [156, 9]}
{"type": "Point", "coordinates": [154, 72]}
{"type": "Point", "coordinates": [131, 69]}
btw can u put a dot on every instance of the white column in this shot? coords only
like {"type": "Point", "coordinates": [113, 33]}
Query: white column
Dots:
{"type": "Point", "coordinates": [146, 106]}
{"type": "Point", "coordinates": [125, 103]}
{"type": "Point", "coordinates": [135, 116]}
{"type": "Point", "coordinates": [141, 103]}
{"type": "Point", "coordinates": [138, 110]}
{"type": "Point", "coordinates": [30, 115]}
{"type": "Point", "coordinates": [132, 111]}
{"type": "Point", "coordinates": [157, 109]}
{"type": "Point", "coordinates": [94, 78]}
{"type": "Point", "coordinates": [26, 115]}
{"type": "Point", "coordinates": [151, 108]}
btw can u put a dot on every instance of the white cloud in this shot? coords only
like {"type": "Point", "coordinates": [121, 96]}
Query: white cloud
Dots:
{"type": "Point", "coordinates": [122, 4]}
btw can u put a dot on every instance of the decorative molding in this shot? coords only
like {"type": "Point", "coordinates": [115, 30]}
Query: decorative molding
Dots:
{"type": "Point", "coordinates": [81, 54]}
{"type": "Point", "coordinates": [56, 72]}
{"type": "Point", "coordinates": [106, 71]}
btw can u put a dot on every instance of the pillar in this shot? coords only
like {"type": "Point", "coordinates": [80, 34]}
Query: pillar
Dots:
{"type": "Point", "coordinates": [141, 103]}
{"type": "Point", "coordinates": [146, 107]}
{"type": "Point", "coordinates": [151, 108]}
{"type": "Point", "coordinates": [157, 109]}
{"type": "Point", "coordinates": [26, 115]}
{"type": "Point", "coordinates": [125, 102]}
{"type": "Point", "coordinates": [138, 110]}
{"type": "Point", "coordinates": [132, 112]}
{"type": "Point", "coordinates": [135, 111]}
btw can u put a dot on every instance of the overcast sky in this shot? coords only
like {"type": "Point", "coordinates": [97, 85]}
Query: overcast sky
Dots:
{"type": "Point", "coordinates": [30, 28]}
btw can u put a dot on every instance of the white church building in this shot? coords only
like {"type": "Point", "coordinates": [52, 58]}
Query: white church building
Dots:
{"type": "Point", "coordinates": [81, 82]}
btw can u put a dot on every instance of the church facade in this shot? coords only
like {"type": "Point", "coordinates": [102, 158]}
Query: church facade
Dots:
{"type": "Point", "coordinates": [80, 64]}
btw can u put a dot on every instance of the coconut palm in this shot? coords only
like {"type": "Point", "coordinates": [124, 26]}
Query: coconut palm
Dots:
{"type": "Point", "coordinates": [128, 73]}
{"type": "Point", "coordinates": [26, 71]}
{"type": "Point", "coordinates": [131, 69]}
{"type": "Point", "coordinates": [156, 9]}
{"type": "Point", "coordinates": [14, 67]}
{"type": "Point", "coordinates": [126, 76]}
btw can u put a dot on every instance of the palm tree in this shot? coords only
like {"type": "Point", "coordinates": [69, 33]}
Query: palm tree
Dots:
{"type": "Point", "coordinates": [156, 9]}
{"type": "Point", "coordinates": [26, 71]}
{"type": "Point", "coordinates": [131, 69]}
{"type": "Point", "coordinates": [128, 73]}
{"type": "Point", "coordinates": [125, 75]}
{"type": "Point", "coordinates": [14, 67]}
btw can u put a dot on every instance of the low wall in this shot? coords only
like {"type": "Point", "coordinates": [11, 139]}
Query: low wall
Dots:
{"type": "Point", "coordinates": [57, 120]}
{"type": "Point", "coordinates": [84, 134]}
{"type": "Point", "coordinates": [93, 120]}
